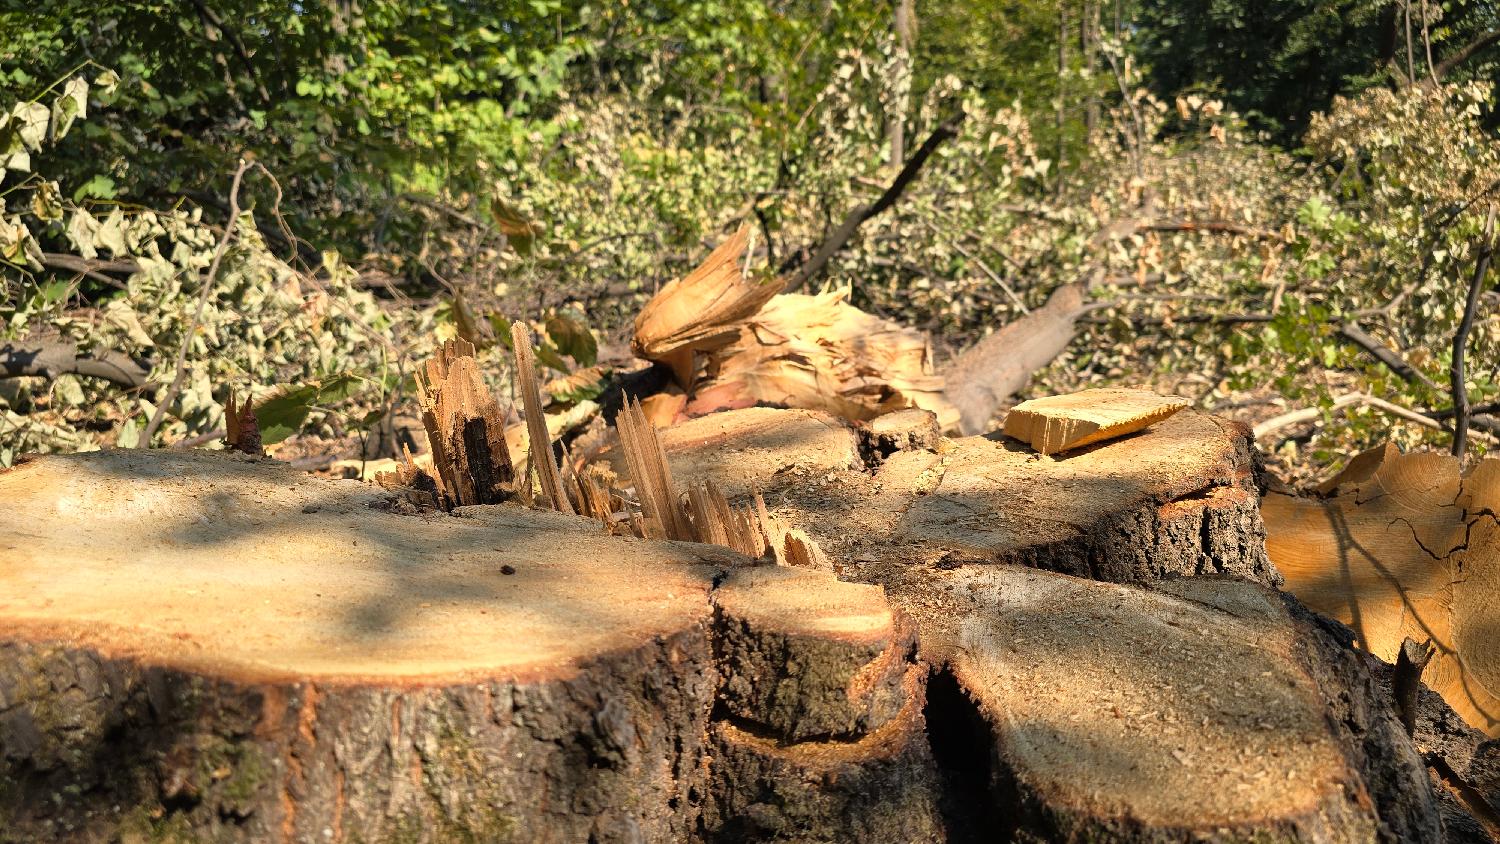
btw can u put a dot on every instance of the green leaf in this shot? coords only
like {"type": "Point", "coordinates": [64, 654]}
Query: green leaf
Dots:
{"type": "Point", "coordinates": [467, 325]}
{"type": "Point", "coordinates": [570, 333]}
{"type": "Point", "coordinates": [107, 82]}
{"type": "Point", "coordinates": [546, 355]}
{"type": "Point", "coordinates": [67, 391]}
{"type": "Point", "coordinates": [111, 234]}
{"type": "Point", "coordinates": [45, 203]}
{"type": "Point", "coordinates": [583, 385]}
{"type": "Point", "coordinates": [19, 161]}
{"type": "Point", "coordinates": [287, 410]}
{"type": "Point", "coordinates": [99, 186]}
{"type": "Point", "coordinates": [81, 230]}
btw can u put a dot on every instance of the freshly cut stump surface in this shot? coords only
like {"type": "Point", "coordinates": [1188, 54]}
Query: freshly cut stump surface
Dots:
{"type": "Point", "coordinates": [197, 645]}
{"type": "Point", "coordinates": [1180, 498]}
{"type": "Point", "coordinates": [1196, 711]}
{"type": "Point", "coordinates": [211, 648]}
{"type": "Point", "coordinates": [1062, 423]}
{"type": "Point", "coordinates": [749, 448]}
{"type": "Point", "coordinates": [1405, 546]}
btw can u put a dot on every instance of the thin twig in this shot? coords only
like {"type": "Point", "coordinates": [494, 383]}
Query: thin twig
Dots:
{"type": "Point", "coordinates": [985, 268]}
{"type": "Point", "coordinates": [208, 286]}
{"type": "Point", "coordinates": [1461, 338]}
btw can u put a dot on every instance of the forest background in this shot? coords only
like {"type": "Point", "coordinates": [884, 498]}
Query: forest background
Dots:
{"type": "Point", "coordinates": [1276, 205]}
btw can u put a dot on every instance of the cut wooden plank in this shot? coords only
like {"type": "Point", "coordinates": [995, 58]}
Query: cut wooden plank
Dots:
{"type": "Point", "coordinates": [189, 637]}
{"type": "Point", "coordinates": [1197, 713]}
{"type": "Point", "coordinates": [1062, 423]}
{"type": "Point", "coordinates": [807, 656]}
{"type": "Point", "coordinates": [1405, 547]}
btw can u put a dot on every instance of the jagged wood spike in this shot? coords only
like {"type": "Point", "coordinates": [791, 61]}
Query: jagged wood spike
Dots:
{"type": "Point", "coordinates": [539, 441]}
{"type": "Point", "coordinates": [661, 472]}
{"type": "Point", "coordinates": [652, 525]}
{"type": "Point", "coordinates": [465, 428]}
{"type": "Point", "coordinates": [242, 431]}
{"type": "Point", "coordinates": [653, 475]}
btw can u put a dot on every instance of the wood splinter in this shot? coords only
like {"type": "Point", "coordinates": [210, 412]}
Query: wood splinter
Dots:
{"type": "Point", "coordinates": [241, 430]}
{"type": "Point", "coordinates": [539, 442]}
{"type": "Point", "coordinates": [1410, 664]}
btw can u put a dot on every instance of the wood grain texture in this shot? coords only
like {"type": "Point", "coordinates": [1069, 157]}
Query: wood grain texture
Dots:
{"type": "Point", "coordinates": [1062, 423]}
{"type": "Point", "coordinates": [1405, 546]}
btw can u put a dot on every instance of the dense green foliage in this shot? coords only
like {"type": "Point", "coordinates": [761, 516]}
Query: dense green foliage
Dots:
{"type": "Point", "coordinates": [428, 168]}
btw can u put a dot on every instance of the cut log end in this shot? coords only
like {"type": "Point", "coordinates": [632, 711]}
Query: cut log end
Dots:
{"type": "Point", "coordinates": [1404, 546]}
{"type": "Point", "coordinates": [1124, 714]}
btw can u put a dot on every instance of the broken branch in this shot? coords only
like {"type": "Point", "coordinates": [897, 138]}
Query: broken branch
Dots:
{"type": "Point", "coordinates": [1461, 338]}
{"type": "Point", "coordinates": [50, 357]}
{"type": "Point", "coordinates": [208, 285]}
{"type": "Point", "coordinates": [946, 130]}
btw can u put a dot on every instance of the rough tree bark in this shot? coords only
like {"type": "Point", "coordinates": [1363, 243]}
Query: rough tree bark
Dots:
{"type": "Point", "coordinates": [218, 648]}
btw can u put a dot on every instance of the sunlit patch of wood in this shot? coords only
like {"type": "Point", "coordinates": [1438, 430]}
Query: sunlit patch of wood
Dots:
{"type": "Point", "coordinates": [1061, 423]}
{"type": "Point", "coordinates": [1405, 546]}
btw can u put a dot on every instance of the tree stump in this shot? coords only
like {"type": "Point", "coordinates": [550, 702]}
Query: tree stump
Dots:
{"type": "Point", "coordinates": [1180, 498]}
{"type": "Point", "coordinates": [206, 647]}
{"type": "Point", "coordinates": [1405, 546]}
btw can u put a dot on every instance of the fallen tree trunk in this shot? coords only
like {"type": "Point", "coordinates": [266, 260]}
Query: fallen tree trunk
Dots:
{"type": "Point", "coordinates": [995, 368]}
{"type": "Point", "coordinates": [219, 648]}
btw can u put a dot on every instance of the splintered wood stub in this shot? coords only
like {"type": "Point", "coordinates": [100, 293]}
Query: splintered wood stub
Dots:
{"type": "Point", "coordinates": [1060, 423]}
{"type": "Point", "coordinates": [466, 430]}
